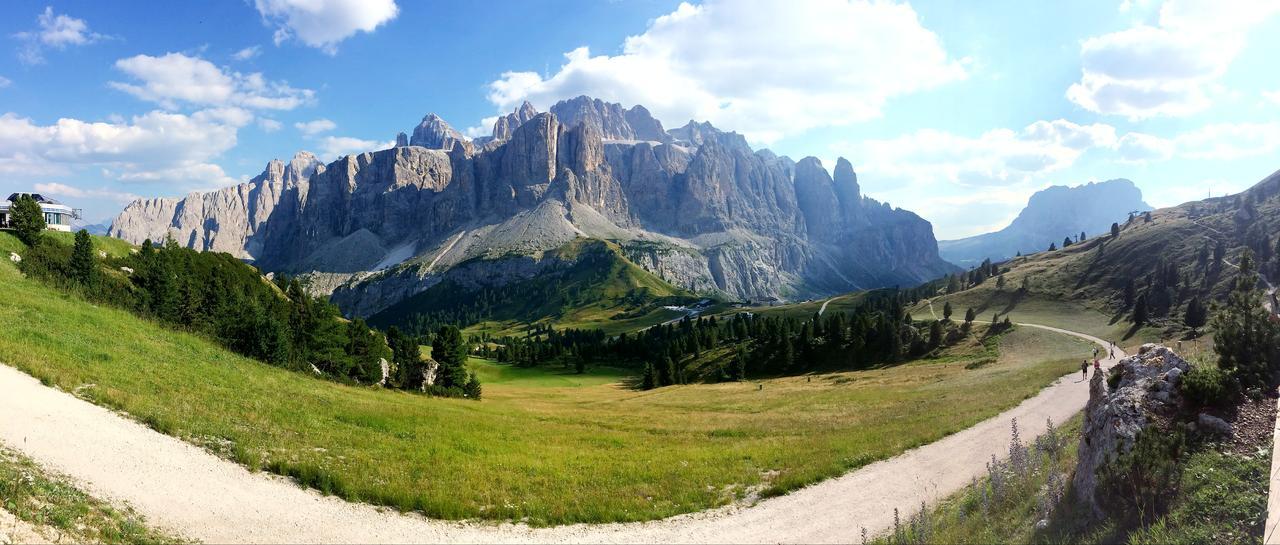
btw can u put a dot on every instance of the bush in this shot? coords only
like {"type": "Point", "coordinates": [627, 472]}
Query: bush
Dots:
{"type": "Point", "coordinates": [1205, 386]}
{"type": "Point", "coordinates": [1136, 486]}
{"type": "Point", "coordinates": [27, 219]}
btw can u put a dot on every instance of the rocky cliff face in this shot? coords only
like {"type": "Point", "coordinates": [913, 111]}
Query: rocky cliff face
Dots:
{"type": "Point", "coordinates": [1051, 215]}
{"type": "Point", "coordinates": [696, 205]}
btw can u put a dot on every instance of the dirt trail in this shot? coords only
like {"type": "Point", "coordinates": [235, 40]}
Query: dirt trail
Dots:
{"type": "Point", "coordinates": [184, 489]}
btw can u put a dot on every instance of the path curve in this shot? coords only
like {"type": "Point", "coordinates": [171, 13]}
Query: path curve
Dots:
{"type": "Point", "coordinates": [184, 489]}
{"type": "Point", "coordinates": [827, 302]}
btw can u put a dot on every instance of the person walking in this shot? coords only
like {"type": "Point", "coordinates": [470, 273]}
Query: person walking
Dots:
{"type": "Point", "coordinates": [1095, 352]}
{"type": "Point", "coordinates": [1084, 369]}
{"type": "Point", "coordinates": [1097, 367]}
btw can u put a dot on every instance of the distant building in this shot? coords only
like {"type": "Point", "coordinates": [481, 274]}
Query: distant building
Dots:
{"type": "Point", "coordinates": [57, 215]}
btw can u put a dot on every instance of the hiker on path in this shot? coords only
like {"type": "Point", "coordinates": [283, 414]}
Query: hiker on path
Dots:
{"type": "Point", "coordinates": [1095, 352]}
{"type": "Point", "coordinates": [1097, 367]}
{"type": "Point", "coordinates": [1084, 369]}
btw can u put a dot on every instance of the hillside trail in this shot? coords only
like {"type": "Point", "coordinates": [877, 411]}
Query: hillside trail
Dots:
{"type": "Point", "coordinates": [823, 310]}
{"type": "Point", "coordinates": [183, 489]}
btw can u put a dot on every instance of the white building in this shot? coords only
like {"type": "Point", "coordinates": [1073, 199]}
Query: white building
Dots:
{"type": "Point", "coordinates": [57, 215]}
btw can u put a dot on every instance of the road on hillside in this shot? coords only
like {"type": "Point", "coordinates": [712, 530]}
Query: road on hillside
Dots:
{"type": "Point", "coordinates": [184, 489]}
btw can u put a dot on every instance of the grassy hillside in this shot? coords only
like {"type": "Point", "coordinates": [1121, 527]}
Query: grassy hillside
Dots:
{"type": "Point", "coordinates": [1082, 286]}
{"type": "Point", "coordinates": [541, 446]}
{"type": "Point", "coordinates": [595, 287]}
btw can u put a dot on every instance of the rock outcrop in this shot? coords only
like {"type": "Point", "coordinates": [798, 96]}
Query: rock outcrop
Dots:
{"type": "Point", "coordinates": [696, 205]}
{"type": "Point", "coordinates": [1146, 392]}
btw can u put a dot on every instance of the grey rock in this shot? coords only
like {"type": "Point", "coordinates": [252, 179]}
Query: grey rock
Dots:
{"type": "Point", "coordinates": [1213, 424]}
{"type": "Point", "coordinates": [1113, 419]}
{"type": "Point", "coordinates": [402, 140]}
{"type": "Point", "coordinates": [507, 124]}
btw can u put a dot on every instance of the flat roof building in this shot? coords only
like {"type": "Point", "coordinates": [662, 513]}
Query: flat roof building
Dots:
{"type": "Point", "coordinates": [58, 216]}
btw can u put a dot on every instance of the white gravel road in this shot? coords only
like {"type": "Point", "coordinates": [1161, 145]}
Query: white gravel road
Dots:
{"type": "Point", "coordinates": [186, 490]}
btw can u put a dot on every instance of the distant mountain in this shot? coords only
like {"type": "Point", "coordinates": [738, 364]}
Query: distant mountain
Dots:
{"type": "Point", "coordinates": [92, 228]}
{"type": "Point", "coordinates": [695, 206]}
{"type": "Point", "coordinates": [1050, 216]}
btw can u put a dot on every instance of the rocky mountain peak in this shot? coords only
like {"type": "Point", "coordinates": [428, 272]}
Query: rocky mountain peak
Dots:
{"type": "Point", "coordinates": [402, 140]}
{"type": "Point", "coordinates": [434, 133]}
{"type": "Point", "coordinates": [847, 190]}
{"type": "Point", "coordinates": [505, 125]}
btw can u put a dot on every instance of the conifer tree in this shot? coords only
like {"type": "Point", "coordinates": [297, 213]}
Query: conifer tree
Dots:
{"type": "Point", "coordinates": [83, 266]}
{"type": "Point", "coordinates": [946, 311]}
{"type": "Point", "coordinates": [27, 219]}
{"type": "Point", "coordinates": [1196, 315]}
{"type": "Point", "coordinates": [1115, 230]}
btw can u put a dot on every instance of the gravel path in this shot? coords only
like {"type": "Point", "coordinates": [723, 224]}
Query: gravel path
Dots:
{"type": "Point", "coordinates": [181, 488]}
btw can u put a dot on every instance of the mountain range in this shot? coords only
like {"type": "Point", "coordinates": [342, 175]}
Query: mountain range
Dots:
{"type": "Point", "coordinates": [1051, 215]}
{"type": "Point", "coordinates": [696, 206]}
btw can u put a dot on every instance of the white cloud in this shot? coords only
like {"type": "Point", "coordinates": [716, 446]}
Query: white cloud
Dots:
{"type": "Point", "coordinates": [63, 190]}
{"type": "Point", "coordinates": [768, 69]}
{"type": "Point", "coordinates": [1228, 141]}
{"type": "Point", "coordinates": [5, 82]}
{"type": "Point", "coordinates": [156, 146]}
{"type": "Point", "coordinates": [55, 30]}
{"type": "Point", "coordinates": [333, 147]}
{"type": "Point", "coordinates": [999, 157]}
{"type": "Point", "coordinates": [1137, 147]}
{"type": "Point", "coordinates": [247, 53]}
{"type": "Point", "coordinates": [1168, 69]}
{"type": "Point", "coordinates": [1273, 96]}
{"type": "Point", "coordinates": [315, 127]}
{"type": "Point", "coordinates": [269, 125]}
{"type": "Point", "coordinates": [177, 78]}
{"type": "Point", "coordinates": [322, 24]}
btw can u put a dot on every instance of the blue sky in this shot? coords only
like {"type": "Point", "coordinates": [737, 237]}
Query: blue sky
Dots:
{"type": "Point", "coordinates": [957, 111]}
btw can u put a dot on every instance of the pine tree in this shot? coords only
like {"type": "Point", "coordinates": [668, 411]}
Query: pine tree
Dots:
{"type": "Point", "coordinates": [26, 218]}
{"type": "Point", "coordinates": [83, 267]}
{"type": "Point", "coordinates": [946, 311]}
{"type": "Point", "coordinates": [1140, 312]}
{"type": "Point", "coordinates": [647, 380]}
{"type": "Point", "coordinates": [1000, 282]}
{"type": "Point", "coordinates": [1052, 247]}
{"type": "Point", "coordinates": [935, 334]}
{"type": "Point", "coordinates": [1066, 242]}
{"type": "Point", "coordinates": [969, 316]}
{"type": "Point", "coordinates": [450, 351]}
{"type": "Point", "coordinates": [1115, 230]}
{"type": "Point", "coordinates": [1196, 315]}
{"type": "Point", "coordinates": [1082, 237]}
{"type": "Point", "coordinates": [1244, 337]}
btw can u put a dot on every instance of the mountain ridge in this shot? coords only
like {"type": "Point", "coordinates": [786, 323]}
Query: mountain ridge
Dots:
{"type": "Point", "coordinates": [696, 204]}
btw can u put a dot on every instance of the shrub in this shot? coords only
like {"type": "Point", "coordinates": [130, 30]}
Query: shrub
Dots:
{"type": "Point", "coordinates": [1207, 385]}
{"type": "Point", "coordinates": [1136, 486]}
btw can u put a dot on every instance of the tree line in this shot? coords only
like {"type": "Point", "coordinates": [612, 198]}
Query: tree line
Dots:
{"type": "Point", "coordinates": [877, 332]}
{"type": "Point", "coordinates": [223, 299]}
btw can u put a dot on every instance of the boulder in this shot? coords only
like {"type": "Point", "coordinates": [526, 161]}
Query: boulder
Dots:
{"type": "Point", "coordinates": [1113, 418]}
{"type": "Point", "coordinates": [1213, 424]}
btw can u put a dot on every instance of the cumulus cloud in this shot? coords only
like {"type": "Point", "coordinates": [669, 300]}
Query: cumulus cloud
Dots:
{"type": "Point", "coordinates": [269, 125]}
{"type": "Point", "coordinates": [999, 157]}
{"type": "Point", "coordinates": [63, 190]}
{"type": "Point", "coordinates": [176, 78]}
{"type": "Point", "coordinates": [1141, 148]}
{"type": "Point", "coordinates": [156, 146]}
{"type": "Point", "coordinates": [1167, 69]}
{"type": "Point", "coordinates": [333, 147]}
{"type": "Point", "coordinates": [1229, 141]}
{"type": "Point", "coordinates": [768, 69]}
{"type": "Point", "coordinates": [5, 82]}
{"type": "Point", "coordinates": [1273, 96]}
{"type": "Point", "coordinates": [323, 24]}
{"type": "Point", "coordinates": [55, 30]}
{"type": "Point", "coordinates": [315, 127]}
{"type": "Point", "coordinates": [247, 53]}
